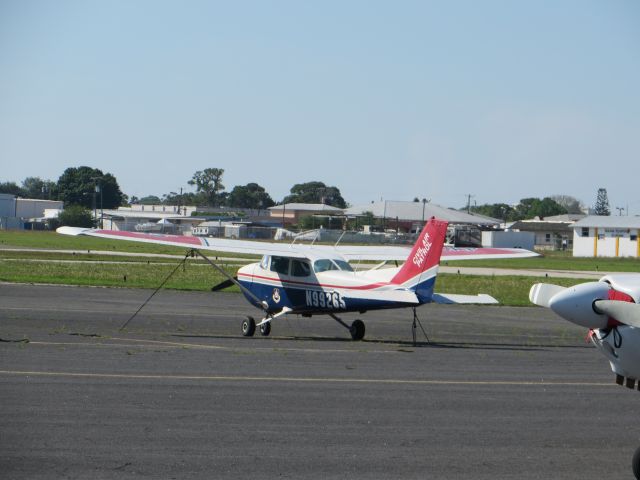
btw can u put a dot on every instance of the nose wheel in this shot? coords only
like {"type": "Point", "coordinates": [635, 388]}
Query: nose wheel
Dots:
{"type": "Point", "coordinates": [265, 329]}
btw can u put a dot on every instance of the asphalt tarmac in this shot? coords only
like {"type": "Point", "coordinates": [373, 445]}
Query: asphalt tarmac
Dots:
{"type": "Point", "coordinates": [496, 392]}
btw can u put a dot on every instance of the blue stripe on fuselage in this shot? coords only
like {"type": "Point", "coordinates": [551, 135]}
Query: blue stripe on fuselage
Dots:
{"type": "Point", "coordinates": [317, 300]}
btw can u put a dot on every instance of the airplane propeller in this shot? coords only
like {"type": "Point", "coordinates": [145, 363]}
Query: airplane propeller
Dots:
{"type": "Point", "coordinates": [225, 284]}
{"type": "Point", "coordinates": [625, 312]}
{"type": "Point", "coordinates": [585, 304]}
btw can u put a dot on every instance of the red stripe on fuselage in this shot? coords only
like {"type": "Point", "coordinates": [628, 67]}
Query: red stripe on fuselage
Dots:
{"type": "Point", "coordinates": [322, 285]}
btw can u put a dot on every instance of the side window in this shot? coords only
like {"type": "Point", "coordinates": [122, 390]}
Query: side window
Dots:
{"type": "Point", "coordinates": [280, 265]}
{"type": "Point", "coordinates": [585, 231]}
{"type": "Point", "coordinates": [300, 268]}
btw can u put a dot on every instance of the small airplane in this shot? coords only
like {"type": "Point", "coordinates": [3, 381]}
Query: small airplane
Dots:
{"type": "Point", "coordinates": [609, 309]}
{"type": "Point", "coordinates": [307, 280]}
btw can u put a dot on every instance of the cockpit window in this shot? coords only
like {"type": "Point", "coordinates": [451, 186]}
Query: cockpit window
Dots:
{"type": "Point", "coordinates": [326, 264]}
{"type": "Point", "coordinates": [300, 268]}
{"type": "Point", "coordinates": [345, 266]}
{"type": "Point", "coordinates": [280, 265]}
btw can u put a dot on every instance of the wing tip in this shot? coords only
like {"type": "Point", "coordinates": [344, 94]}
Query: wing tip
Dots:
{"type": "Point", "coordinates": [74, 231]}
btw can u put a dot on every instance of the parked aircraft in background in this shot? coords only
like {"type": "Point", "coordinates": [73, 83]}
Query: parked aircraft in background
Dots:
{"type": "Point", "coordinates": [313, 280]}
{"type": "Point", "coordinates": [609, 309]}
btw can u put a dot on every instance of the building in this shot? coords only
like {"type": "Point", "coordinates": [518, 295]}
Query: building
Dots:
{"type": "Point", "coordinates": [600, 236]}
{"type": "Point", "coordinates": [21, 213]}
{"type": "Point", "coordinates": [408, 216]}
{"type": "Point", "coordinates": [551, 233]}
{"type": "Point", "coordinates": [153, 220]}
{"type": "Point", "coordinates": [291, 213]}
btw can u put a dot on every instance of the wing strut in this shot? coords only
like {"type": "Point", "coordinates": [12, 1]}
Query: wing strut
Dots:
{"type": "Point", "coordinates": [156, 290]}
{"type": "Point", "coordinates": [217, 267]}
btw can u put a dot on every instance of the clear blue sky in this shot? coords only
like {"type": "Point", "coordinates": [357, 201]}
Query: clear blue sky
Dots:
{"type": "Point", "coordinates": [396, 99]}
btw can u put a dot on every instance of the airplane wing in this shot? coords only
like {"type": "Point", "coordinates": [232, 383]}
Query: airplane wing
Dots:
{"type": "Point", "coordinates": [247, 247]}
{"type": "Point", "coordinates": [400, 254]}
{"type": "Point", "coordinates": [253, 247]}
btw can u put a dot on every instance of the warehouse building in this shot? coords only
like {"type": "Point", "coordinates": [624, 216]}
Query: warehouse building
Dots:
{"type": "Point", "coordinates": [21, 213]}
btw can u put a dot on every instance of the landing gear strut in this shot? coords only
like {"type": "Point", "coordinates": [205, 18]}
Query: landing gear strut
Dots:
{"type": "Point", "coordinates": [356, 329]}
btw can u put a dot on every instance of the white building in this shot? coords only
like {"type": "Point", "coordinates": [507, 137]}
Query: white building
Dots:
{"type": "Point", "coordinates": [15, 213]}
{"type": "Point", "coordinates": [600, 236]}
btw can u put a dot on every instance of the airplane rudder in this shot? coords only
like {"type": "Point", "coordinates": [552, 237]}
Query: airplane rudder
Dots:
{"type": "Point", "coordinates": [425, 253]}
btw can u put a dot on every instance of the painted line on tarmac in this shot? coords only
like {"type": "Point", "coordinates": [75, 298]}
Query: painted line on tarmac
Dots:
{"type": "Point", "coordinates": [248, 378]}
{"type": "Point", "coordinates": [140, 343]}
{"type": "Point", "coordinates": [230, 316]}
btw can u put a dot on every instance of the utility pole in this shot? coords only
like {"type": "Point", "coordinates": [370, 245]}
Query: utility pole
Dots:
{"type": "Point", "coordinates": [469, 197]}
{"type": "Point", "coordinates": [620, 210]}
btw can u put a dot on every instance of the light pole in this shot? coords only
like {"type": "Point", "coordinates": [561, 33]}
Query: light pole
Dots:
{"type": "Point", "coordinates": [97, 189]}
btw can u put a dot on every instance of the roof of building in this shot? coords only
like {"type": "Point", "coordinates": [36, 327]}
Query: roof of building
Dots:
{"type": "Point", "coordinates": [419, 211]}
{"type": "Point", "coordinates": [601, 221]}
{"type": "Point", "coordinates": [307, 207]}
{"type": "Point", "coordinates": [567, 217]}
{"type": "Point", "coordinates": [541, 226]}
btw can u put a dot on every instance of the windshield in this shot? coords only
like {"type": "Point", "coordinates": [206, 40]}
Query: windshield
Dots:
{"type": "Point", "coordinates": [326, 264]}
{"type": "Point", "coordinates": [346, 266]}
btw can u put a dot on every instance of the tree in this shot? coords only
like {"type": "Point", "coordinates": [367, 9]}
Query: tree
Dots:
{"type": "Point", "coordinates": [602, 203]}
{"type": "Point", "coordinates": [315, 192]}
{"type": "Point", "coordinates": [251, 195]}
{"type": "Point", "coordinates": [149, 200]}
{"type": "Point", "coordinates": [526, 209]}
{"type": "Point", "coordinates": [501, 211]}
{"type": "Point", "coordinates": [209, 183]}
{"type": "Point", "coordinates": [76, 216]}
{"type": "Point", "coordinates": [569, 203]}
{"type": "Point", "coordinates": [534, 207]}
{"type": "Point", "coordinates": [35, 187]}
{"type": "Point", "coordinates": [77, 186]}
{"type": "Point", "coordinates": [11, 188]}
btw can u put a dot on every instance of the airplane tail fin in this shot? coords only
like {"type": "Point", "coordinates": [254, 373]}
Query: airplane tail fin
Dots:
{"type": "Point", "coordinates": [421, 267]}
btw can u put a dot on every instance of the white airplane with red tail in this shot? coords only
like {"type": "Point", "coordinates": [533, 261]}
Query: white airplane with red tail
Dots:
{"type": "Point", "coordinates": [312, 280]}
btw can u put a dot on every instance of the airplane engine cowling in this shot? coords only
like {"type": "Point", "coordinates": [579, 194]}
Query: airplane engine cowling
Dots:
{"type": "Point", "coordinates": [576, 304]}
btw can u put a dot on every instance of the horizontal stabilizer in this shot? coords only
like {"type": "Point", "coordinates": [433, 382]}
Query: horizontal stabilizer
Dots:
{"type": "Point", "coordinates": [450, 298]}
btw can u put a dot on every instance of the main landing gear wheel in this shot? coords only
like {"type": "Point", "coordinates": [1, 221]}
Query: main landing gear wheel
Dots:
{"type": "Point", "coordinates": [265, 329]}
{"type": "Point", "coordinates": [635, 463]}
{"type": "Point", "coordinates": [357, 330]}
{"type": "Point", "coordinates": [248, 327]}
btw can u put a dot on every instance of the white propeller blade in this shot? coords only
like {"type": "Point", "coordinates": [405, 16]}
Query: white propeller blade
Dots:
{"type": "Point", "coordinates": [541, 293]}
{"type": "Point", "coordinates": [625, 312]}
